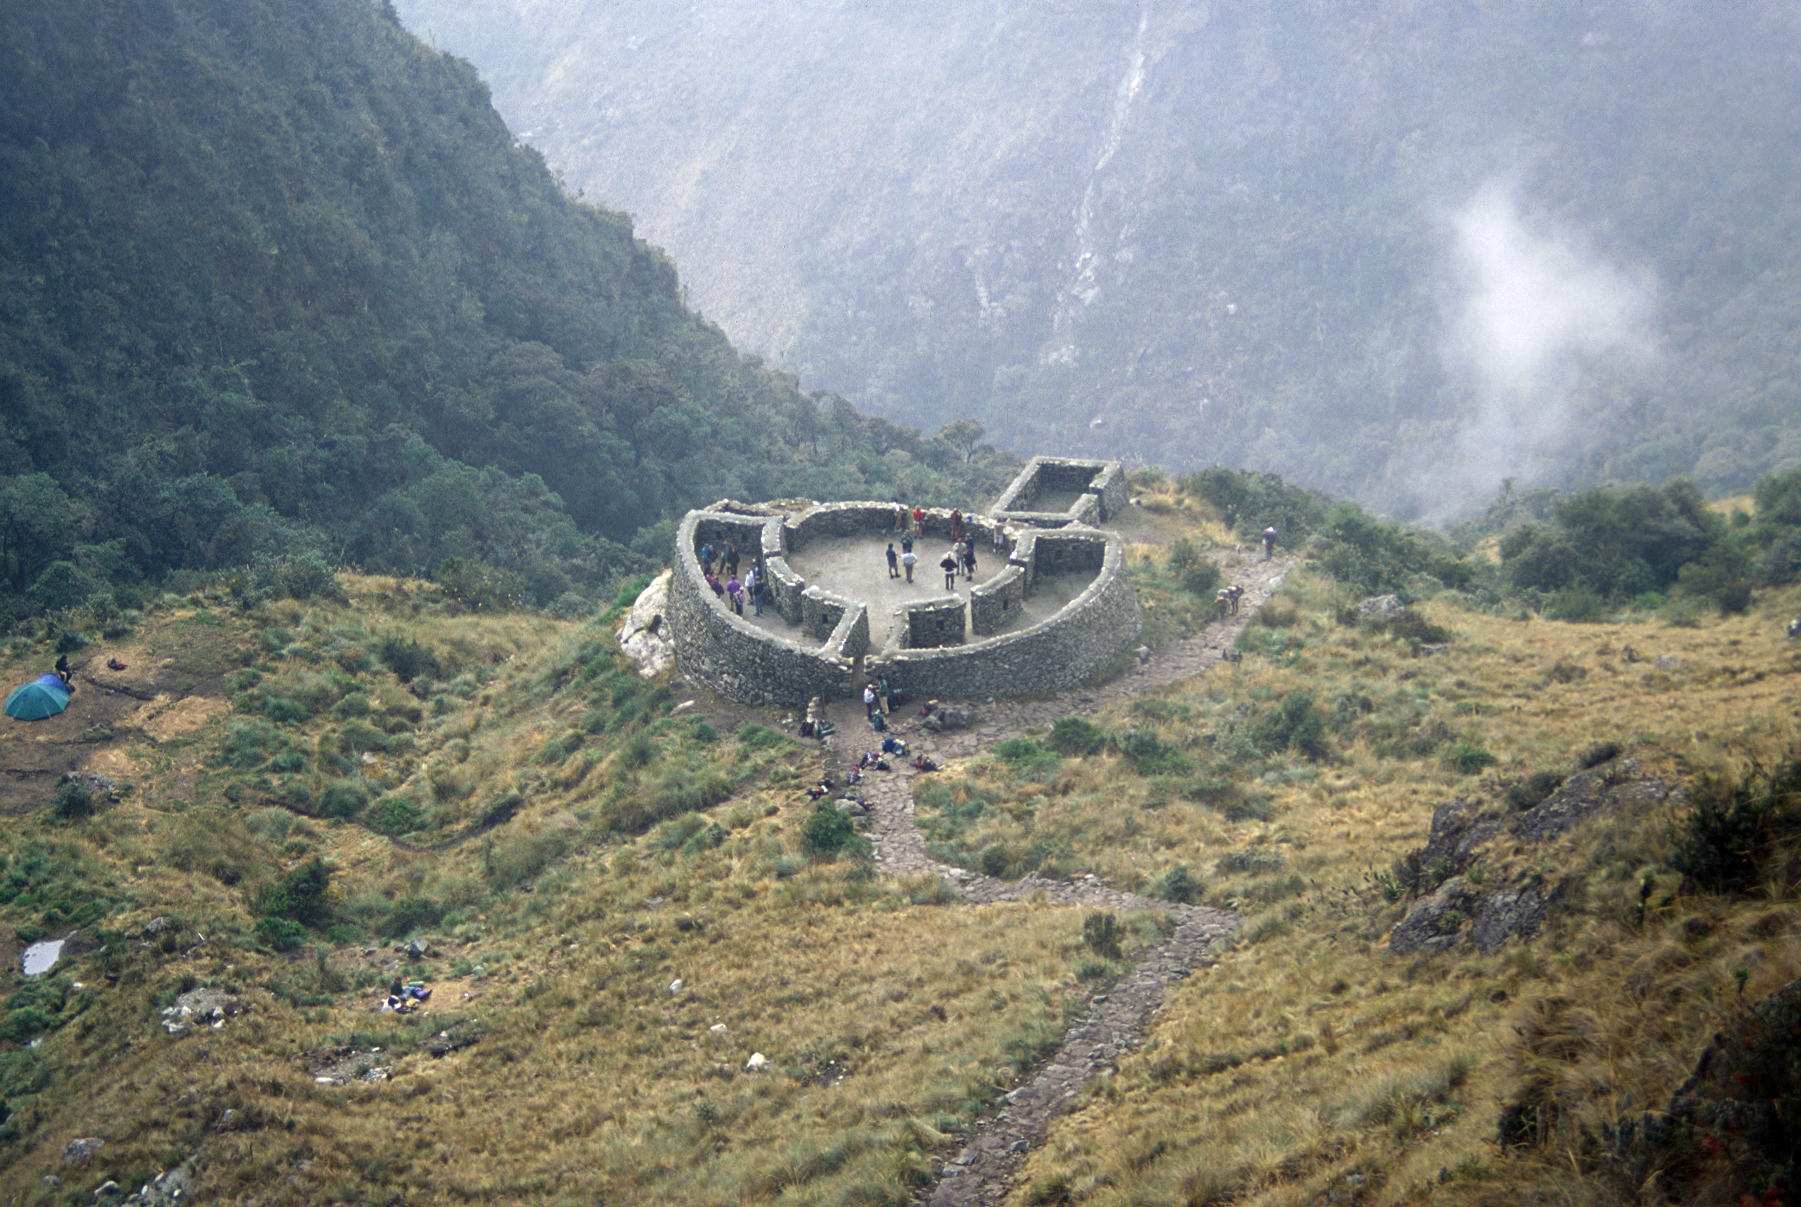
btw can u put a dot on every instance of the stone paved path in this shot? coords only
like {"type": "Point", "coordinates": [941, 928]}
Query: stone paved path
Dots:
{"type": "Point", "coordinates": [979, 1173]}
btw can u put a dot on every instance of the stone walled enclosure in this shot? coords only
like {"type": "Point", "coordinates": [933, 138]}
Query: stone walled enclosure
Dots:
{"type": "Point", "coordinates": [937, 646]}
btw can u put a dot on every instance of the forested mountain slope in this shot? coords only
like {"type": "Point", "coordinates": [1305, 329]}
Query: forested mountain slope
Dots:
{"type": "Point", "coordinates": [1395, 251]}
{"type": "Point", "coordinates": [276, 281]}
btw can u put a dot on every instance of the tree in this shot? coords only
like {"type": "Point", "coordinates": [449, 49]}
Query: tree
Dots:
{"type": "Point", "coordinates": [964, 435]}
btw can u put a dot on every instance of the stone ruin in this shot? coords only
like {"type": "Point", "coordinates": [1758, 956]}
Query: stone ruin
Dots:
{"type": "Point", "coordinates": [993, 642]}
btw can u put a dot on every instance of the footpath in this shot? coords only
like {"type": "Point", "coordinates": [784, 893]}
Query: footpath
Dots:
{"type": "Point", "coordinates": [979, 1174]}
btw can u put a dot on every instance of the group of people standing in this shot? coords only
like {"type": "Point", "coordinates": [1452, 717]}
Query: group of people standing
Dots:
{"type": "Point", "coordinates": [725, 581]}
{"type": "Point", "coordinates": [960, 558]}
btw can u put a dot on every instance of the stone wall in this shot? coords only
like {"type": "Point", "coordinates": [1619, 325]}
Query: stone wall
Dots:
{"type": "Point", "coordinates": [944, 647]}
{"type": "Point", "coordinates": [995, 604]}
{"type": "Point", "coordinates": [1060, 652]}
{"type": "Point", "coordinates": [1104, 480]}
{"type": "Point", "coordinates": [741, 661]}
{"type": "Point", "coordinates": [935, 622]}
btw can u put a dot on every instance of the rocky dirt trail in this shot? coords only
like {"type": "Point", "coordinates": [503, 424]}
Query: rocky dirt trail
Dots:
{"type": "Point", "coordinates": [979, 1174]}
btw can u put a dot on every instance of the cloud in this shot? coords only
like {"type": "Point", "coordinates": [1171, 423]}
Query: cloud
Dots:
{"type": "Point", "coordinates": [1540, 325]}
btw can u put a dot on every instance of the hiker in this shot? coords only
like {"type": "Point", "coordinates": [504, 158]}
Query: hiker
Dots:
{"type": "Point", "coordinates": [713, 582]}
{"type": "Point", "coordinates": [706, 556]}
{"type": "Point", "coordinates": [884, 695]}
{"type": "Point", "coordinates": [731, 558]}
{"type": "Point", "coordinates": [878, 722]}
{"type": "Point", "coordinates": [919, 521]}
{"type": "Point", "coordinates": [909, 559]}
{"type": "Point", "coordinates": [893, 561]}
{"type": "Point", "coordinates": [948, 564]}
{"type": "Point", "coordinates": [869, 709]}
{"type": "Point", "coordinates": [898, 520]}
{"type": "Point", "coordinates": [1000, 539]}
{"type": "Point", "coordinates": [969, 562]}
{"type": "Point", "coordinates": [753, 587]}
{"type": "Point", "coordinates": [734, 591]}
{"type": "Point", "coordinates": [1269, 542]}
{"type": "Point", "coordinates": [956, 524]}
{"type": "Point", "coordinates": [63, 672]}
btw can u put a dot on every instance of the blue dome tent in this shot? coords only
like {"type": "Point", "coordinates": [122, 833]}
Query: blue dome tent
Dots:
{"type": "Point", "coordinates": [43, 697]}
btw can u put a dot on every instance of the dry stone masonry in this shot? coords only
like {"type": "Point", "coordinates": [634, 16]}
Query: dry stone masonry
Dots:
{"type": "Point", "coordinates": [941, 645]}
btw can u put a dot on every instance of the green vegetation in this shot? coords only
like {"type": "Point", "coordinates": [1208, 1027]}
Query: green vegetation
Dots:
{"type": "Point", "coordinates": [282, 293]}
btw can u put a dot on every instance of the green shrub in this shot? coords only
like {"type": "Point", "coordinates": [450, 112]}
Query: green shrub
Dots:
{"type": "Point", "coordinates": [410, 914]}
{"type": "Point", "coordinates": [830, 833]}
{"type": "Point", "coordinates": [408, 659]}
{"type": "Point", "coordinates": [1180, 886]}
{"type": "Point", "coordinates": [1295, 724]}
{"type": "Point", "coordinates": [283, 934]}
{"type": "Point", "coordinates": [301, 895]}
{"type": "Point", "coordinates": [342, 798]}
{"type": "Point", "coordinates": [1076, 736]}
{"type": "Point", "coordinates": [1184, 554]}
{"type": "Point", "coordinates": [1736, 825]}
{"type": "Point", "coordinates": [1100, 933]}
{"type": "Point", "coordinates": [395, 815]}
{"type": "Point", "coordinates": [1534, 790]}
{"type": "Point", "coordinates": [73, 801]}
{"type": "Point", "coordinates": [1151, 755]}
{"type": "Point", "coordinates": [1202, 579]}
{"type": "Point", "coordinates": [1468, 758]}
{"type": "Point", "coordinates": [1250, 861]}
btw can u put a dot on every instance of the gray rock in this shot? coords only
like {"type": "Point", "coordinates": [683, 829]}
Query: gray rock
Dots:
{"type": "Point", "coordinates": [1668, 662]}
{"type": "Point", "coordinates": [169, 1189]}
{"type": "Point", "coordinates": [854, 808]}
{"type": "Point", "coordinates": [1507, 914]}
{"type": "Point", "coordinates": [647, 636]}
{"type": "Point", "coordinates": [106, 1189]}
{"type": "Point", "coordinates": [1436, 921]}
{"type": "Point", "coordinates": [156, 926]}
{"type": "Point", "coordinates": [416, 948]}
{"type": "Point", "coordinates": [1382, 605]}
{"type": "Point", "coordinates": [80, 1152]}
{"type": "Point", "coordinates": [1586, 793]}
{"type": "Point", "coordinates": [947, 717]}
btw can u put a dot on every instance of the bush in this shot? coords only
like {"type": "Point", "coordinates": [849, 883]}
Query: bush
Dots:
{"type": "Point", "coordinates": [829, 833]}
{"type": "Point", "coordinates": [1202, 580]}
{"type": "Point", "coordinates": [72, 801]}
{"type": "Point", "coordinates": [1100, 933]}
{"type": "Point", "coordinates": [410, 914]}
{"type": "Point", "coordinates": [395, 815]}
{"type": "Point", "coordinates": [1179, 885]}
{"type": "Point", "coordinates": [1296, 724]}
{"type": "Point", "coordinates": [408, 659]}
{"type": "Point", "coordinates": [342, 798]}
{"type": "Point", "coordinates": [1151, 755]}
{"type": "Point", "coordinates": [300, 896]}
{"type": "Point", "coordinates": [1736, 825]}
{"type": "Point", "coordinates": [282, 934]}
{"type": "Point", "coordinates": [1469, 758]}
{"type": "Point", "coordinates": [1076, 736]}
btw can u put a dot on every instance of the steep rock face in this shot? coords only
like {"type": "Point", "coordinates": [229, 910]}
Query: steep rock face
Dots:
{"type": "Point", "coordinates": [1222, 231]}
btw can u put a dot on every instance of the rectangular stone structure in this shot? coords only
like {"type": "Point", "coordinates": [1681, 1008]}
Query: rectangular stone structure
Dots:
{"type": "Point", "coordinates": [787, 587]}
{"type": "Point", "coordinates": [997, 603]}
{"type": "Point", "coordinates": [932, 623]}
{"type": "Point", "coordinates": [1105, 481]}
{"type": "Point", "coordinates": [820, 612]}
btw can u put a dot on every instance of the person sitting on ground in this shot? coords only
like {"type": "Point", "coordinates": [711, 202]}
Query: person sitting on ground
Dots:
{"type": "Point", "coordinates": [63, 672]}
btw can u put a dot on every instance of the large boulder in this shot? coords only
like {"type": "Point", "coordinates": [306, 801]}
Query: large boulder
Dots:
{"type": "Point", "coordinates": [647, 636]}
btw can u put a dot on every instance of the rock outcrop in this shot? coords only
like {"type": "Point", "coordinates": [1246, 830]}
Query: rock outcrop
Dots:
{"type": "Point", "coordinates": [647, 636]}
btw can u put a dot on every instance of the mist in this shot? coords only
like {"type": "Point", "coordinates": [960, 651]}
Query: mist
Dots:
{"type": "Point", "coordinates": [1543, 331]}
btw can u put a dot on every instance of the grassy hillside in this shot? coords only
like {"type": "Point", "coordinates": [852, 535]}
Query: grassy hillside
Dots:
{"type": "Point", "coordinates": [304, 785]}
